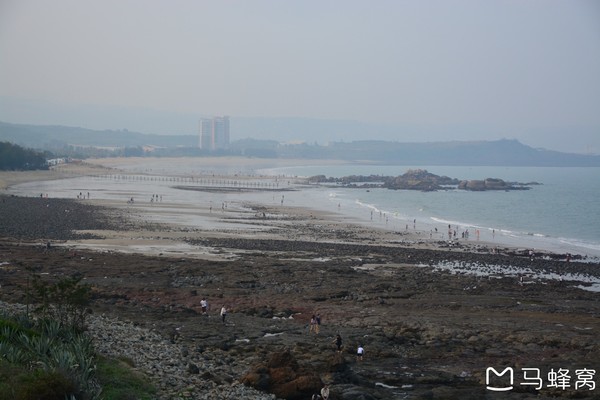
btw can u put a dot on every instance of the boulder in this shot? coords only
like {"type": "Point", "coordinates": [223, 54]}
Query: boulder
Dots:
{"type": "Point", "coordinates": [495, 184]}
{"type": "Point", "coordinates": [284, 377]}
{"type": "Point", "coordinates": [474, 184]}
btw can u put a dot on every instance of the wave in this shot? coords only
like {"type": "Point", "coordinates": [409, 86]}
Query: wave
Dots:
{"type": "Point", "coordinates": [376, 210]}
{"type": "Point", "coordinates": [580, 243]}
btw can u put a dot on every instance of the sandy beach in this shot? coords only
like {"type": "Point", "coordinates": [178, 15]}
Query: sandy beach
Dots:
{"type": "Point", "coordinates": [239, 219]}
{"type": "Point", "coordinates": [432, 316]}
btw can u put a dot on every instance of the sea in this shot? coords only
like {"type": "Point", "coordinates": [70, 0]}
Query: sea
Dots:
{"type": "Point", "coordinates": [561, 214]}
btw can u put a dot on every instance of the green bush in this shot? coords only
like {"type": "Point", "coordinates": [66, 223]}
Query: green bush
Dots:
{"type": "Point", "coordinates": [64, 301]}
{"type": "Point", "coordinates": [19, 383]}
{"type": "Point", "coordinates": [44, 385]}
{"type": "Point", "coordinates": [59, 358]}
{"type": "Point", "coordinates": [50, 357]}
{"type": "Point", "coordinates": [51, 362]}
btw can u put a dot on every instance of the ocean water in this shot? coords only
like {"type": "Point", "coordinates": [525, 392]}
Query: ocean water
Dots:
{"type": "Point", "coordinates": [562, 214]}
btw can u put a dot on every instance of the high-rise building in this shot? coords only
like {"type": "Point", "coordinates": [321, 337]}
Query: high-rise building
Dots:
{"type": "Point", "coordinates": [214, 133]}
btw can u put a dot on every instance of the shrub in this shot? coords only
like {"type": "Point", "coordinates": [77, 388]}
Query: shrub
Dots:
{"type": "Point", "coordinates": [44, 385]}
{"type": "Point", "coordinates": [65, 301]}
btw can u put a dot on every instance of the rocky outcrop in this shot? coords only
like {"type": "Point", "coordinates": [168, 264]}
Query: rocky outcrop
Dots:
{"type": "Point", "coordinates": [284, 377]}
{"type": "Point", "coordinates": [419, 179]}
{"type": "Point", "coordinates": [490, 184]}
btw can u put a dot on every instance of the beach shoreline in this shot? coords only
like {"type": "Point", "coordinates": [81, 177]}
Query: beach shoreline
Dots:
{"type": "Point", "coordinates": [431, 316]}
{"type": "Point", "coordinates": [210, 173]}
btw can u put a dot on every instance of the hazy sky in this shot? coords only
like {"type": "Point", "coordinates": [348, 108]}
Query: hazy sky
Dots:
{"type": "Point", "coordinates": [518, 69]}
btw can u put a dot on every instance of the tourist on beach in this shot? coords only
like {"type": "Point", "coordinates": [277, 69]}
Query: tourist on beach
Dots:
{"type": "Point", "coordinates": [338, 342]}
{"type": "Point", "coordinates": [313, 324]}
{"type": "Point", "coordinates": [318, 319]}
{"type": "Point", "coordinates": [204, 305]}
{"type": "Point", "coordinates": [325, 392]}
{"type": "Point", "coordinates": [360, 352]}
{"type": "Point", "coordinates": [223, 313]}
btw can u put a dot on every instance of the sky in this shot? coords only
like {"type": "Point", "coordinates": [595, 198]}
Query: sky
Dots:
{"type": "Point", "coordinates": [431, 70]}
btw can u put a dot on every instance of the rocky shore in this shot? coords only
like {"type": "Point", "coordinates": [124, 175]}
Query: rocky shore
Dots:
{"type": "Point", "coordinates": [431, 318]}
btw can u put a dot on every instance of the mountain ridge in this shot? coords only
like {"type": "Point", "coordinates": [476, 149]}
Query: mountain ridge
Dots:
{"type": "Point", "coordinates": [502, 152]}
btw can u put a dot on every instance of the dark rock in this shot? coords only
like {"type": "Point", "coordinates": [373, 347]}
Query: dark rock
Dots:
{"type": "Point", "coordinates": [284, 377]}
{"type": "Point", "coordinates": [193, 369]}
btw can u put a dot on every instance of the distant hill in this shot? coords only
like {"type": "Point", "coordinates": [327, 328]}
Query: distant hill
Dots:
{"type": "Point", "coordinates": [503, 152]}
{"type": "Point", "coordinates": [53, 136]}
{"type": "Point", "coordinates": [498, 153]}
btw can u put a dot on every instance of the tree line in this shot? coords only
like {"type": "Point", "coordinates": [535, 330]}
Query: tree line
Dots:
{"type": "Point", "coordinates": [17, 158]}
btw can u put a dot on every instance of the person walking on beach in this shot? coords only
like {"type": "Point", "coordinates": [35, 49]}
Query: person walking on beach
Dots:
{"type": "Point", "coordinates": [223, 313]}
{"type": "Point", "coordinates": [338, 342]}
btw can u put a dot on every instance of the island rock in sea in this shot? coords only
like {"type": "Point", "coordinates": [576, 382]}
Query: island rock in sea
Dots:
{"type": "Point", "coordinates": [490, 184]}
{"type": "Point", "coordinates": [420, 179]}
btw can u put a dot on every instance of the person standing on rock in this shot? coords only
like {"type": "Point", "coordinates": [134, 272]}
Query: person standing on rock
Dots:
{"type": "Point", "coordinates": [313, 324]}
{"type": "Point", "coordinates": [318, 321]}
{"type": "Point", "coordinates": [204, 305]}
{"type": "Point", "coordinates": [360, 352]}
{"type": "Point", "coordinates": [338, 342]}
{"type": "Point", "coordinates": [223, 313]}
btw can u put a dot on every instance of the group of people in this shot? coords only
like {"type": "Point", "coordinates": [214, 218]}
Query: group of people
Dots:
{"type": "Point", "coordinates": [204, 306]}
{"type": "Point", "coordinates": [314, 326]}
{"type": "Point", "coordinates": [360, 352]}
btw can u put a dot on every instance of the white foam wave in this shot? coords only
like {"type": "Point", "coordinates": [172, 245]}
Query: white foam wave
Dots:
{"type": "Point", "coordinates": [486, 270]}
{"type": "Point", "coordinates": [580, 243]}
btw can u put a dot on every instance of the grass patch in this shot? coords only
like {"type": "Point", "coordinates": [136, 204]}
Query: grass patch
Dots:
{"type": "Point", "coordinates": [120, 382]}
